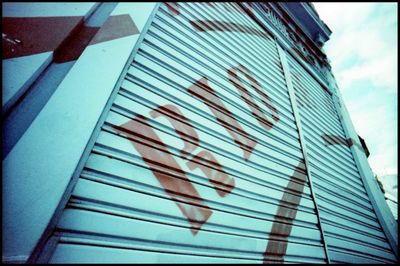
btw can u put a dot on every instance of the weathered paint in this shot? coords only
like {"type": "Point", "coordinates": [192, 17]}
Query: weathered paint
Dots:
{"type": "Point", "coordinates": [68, 38]}
{"type": "Point", "coordinates": [284, 217]}
{"type": "Point", "coordinates": [182, 127]}
{"type": "Point", "coordinates": [212, 25]}
{"type": "Point", "coordinates": [116, 26]}
{"type": "Point", "coordinates": [181, 154]}
{"type": "Point", "coordinates": [31, 66]}
{"type": "Point", "coordinates": [350, 223]}
{"type": "Point", "coordinates": [247, 98]}
{"type": "Point", "coordinates": [198, 155]}
{"type": "Point", "coordinates": [33, 36]}
{"type": "Point", "coordinates": [334, 139]}
{"type": "Point", "coordinates": [172, 177]}
{"type": "Point", "coordinates": [28, 177]}
{"type": "Point", "coordinates": [202, 90]}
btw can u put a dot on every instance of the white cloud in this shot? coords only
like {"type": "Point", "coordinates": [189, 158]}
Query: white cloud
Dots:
{"type": "Point", "coordinates": [380, 71]}
{"type": "Point", "coordinates": [365, 39]}
{"type": "Point", "coordinates": [338, 16]}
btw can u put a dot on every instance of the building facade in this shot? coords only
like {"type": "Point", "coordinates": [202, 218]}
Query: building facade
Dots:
{"type": "Point", "coordinates": [181, 133]}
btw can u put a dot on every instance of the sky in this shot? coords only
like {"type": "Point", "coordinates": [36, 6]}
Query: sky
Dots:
{"type": "Point", "coordinates": [363, 54]}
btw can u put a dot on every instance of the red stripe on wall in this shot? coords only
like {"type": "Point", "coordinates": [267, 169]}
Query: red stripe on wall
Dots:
{"type": "Point", "coordinates": [283, 222]}
{"type": "Point", "coordinates": [66, 36]}
{"type": "Point", "coordinates": [167, 170]}
{"type": "Point", "coordinates": [200, 89]}
{"type": "Point", "coordinates": [207, 163]}
{"type": "Point", "coordinates": [72, 48]}
{"type": "Point", "coordinates": [116, 27]}
{"type": "Point", "coordinates": [37, 34]}
{"type": "Point", "coordinates": [203, 160]}
{"type": "Point", "coordinates": [213, 25]}
{"type": "Point", "coordinates": [173, 8]}
{"type": "Point", "coordinates": [334, 139]}
{"type": "Point", "coordinates": [236, 81]}
{"type": "Point", "coordinates": [181, 125]}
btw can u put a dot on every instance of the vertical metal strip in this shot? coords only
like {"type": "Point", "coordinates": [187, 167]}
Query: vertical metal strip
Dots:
{"type": "Point", "coordinates": [292, 96]}
{"type": "Point", "coordinates": [375, 196]}
{"type": "Point", "coordinates": [46, 245]}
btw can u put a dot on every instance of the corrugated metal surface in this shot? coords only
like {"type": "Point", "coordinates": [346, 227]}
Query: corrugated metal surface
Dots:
{"type": "Point", "coordinates": [352, 230]}
{"type": "Point", "coordinates": [393, 205]}
{"type": "Point", "coordinates": [187, 168]}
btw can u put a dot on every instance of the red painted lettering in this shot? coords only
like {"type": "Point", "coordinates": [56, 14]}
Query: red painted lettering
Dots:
{"type": "Point", "coordinates": [246, 96]}
{"type": "Point", "coordinates": [181, 125]}
{"type": "Point", "coordinates": [284, 217]}
{"type": "Point", "coordinates": [173, 8]}
{"type": "Point", "coordinates": [204, 160]}
{"type": "Point", "coordinates": [203, 91]}
{"type": "Point", "coordinates": [172, 177]}
{"type": "Point", "coordinates": [334, 139]}
{"type": "Point", "coordinates": [213, 25]}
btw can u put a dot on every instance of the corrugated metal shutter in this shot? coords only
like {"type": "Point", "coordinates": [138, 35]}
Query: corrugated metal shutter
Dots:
{"type": "Point", "coordinates": [352, 230]}
{"type": "Point", "coordinates": [186, 167]}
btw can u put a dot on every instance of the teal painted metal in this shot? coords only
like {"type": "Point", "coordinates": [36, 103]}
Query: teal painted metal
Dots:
{"type": "Point", "coordinates": [220, 143]}
{"type": "Point", "coordinates": [186, 110]}
{"type": "Point", "coordinates": [351, 226]}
